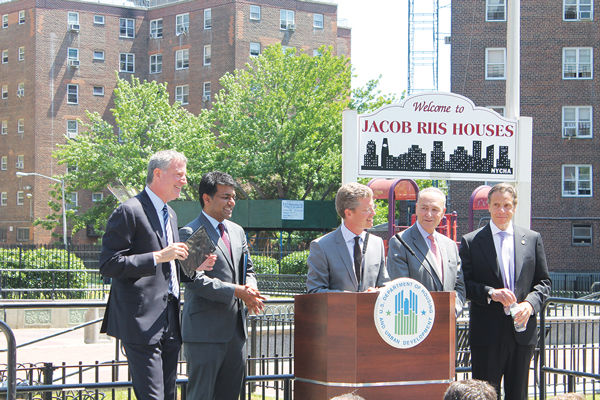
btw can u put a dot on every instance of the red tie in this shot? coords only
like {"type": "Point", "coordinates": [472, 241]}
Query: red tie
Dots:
{"type": "Point", "coordinates": [438, 257]}
{"type": "Point", "coordinates": [225, 238]}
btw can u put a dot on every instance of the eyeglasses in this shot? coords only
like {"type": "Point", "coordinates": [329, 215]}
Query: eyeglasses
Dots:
{"type": "Point", "coordinates": [370, 210]}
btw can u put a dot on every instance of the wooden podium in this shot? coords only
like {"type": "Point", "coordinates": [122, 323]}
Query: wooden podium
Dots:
{"type": "Point", "coordinates": [337, 350]}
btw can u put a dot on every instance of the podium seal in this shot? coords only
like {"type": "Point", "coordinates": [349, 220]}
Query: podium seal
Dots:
{"type": "Point", "coordinates": [404, 313]}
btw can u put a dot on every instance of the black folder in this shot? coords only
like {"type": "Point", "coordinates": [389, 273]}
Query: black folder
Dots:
{"type": "Point", "coordinates": [199, 246]}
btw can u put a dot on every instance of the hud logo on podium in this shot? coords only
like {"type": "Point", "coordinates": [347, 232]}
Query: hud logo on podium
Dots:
{"type": "Point", "coordinates": [404, 313]}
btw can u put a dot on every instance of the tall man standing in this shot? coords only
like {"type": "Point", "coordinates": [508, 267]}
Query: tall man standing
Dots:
{"type": "Point", "coordinates": [348, 259]}
{"type": "Point", "coordinates": [139, 250]}
{"type": "Point", "coordinates": [214, 318]}
{"type": "Point", "coordinates": [436, 264]}
{"type": "Point", "coordinates": [504, 264]}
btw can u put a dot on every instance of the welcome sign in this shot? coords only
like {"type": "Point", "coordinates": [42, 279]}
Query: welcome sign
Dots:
{"type": "Point", "coordinates": [437, 136]}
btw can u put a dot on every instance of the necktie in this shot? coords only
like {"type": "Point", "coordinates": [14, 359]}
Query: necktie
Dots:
{"type": "Point", "coordinates": [173, 284]}
{"type": "Point", "coordinates": [357, 258]}
{"type": "Point", "coordinates": [505, 264]}
{"type": "Point", "coordinates": [224, 237]}
{"type": "Point", "coordinates": [438, 257]}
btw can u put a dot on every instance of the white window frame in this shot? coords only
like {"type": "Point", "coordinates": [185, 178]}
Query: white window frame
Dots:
{"type": "Point", "coordinates": [318, 21]}
{"type": "Point", "coordinates": [156, 28]}
{"type": "Point", "coordinates": [255, 13]}
{"type": "Point", "coordinates": [20, 164]}
{"type": "Point", "coordinates": [4, 199]}
{"type": "Point", "coordinates": [98, 53]}
{"type": "Point", "coordinates": [21, 125]}
{"type": "Point", "coordinates": [72, 53]}
{"type": "Point", "coordinates": [577, 64]}
{"type": "Point", "coordinates": [156, 62]}
{"type": "Point", "coordinates": [578, 237]}
{"type": "Point", "coordinates": [182, 94]}
{"type": "Point", "coordinates": [583, 10]}
{"type": "Point", "coordinates": [182, 23]}
{"type": "Point", "coordinates": [576, 126]}
{"type": "Point", "coordinates": [499, 109]}
{"type": "Point", "coordinates": [208, 18]}
{"type": "Point", "coordinates": [72, 128]}
{"type": "Point", "coordinates": [21, 17]}
{"type": "Point", "coordinates": [182, 59]}
{"type": "Point", "coordinates": [99, 19]}
{"type": "Point", "coordinates": [578, 181]}
{"type": "Point", "coordinates": [489, 65]}
{"type": "Point", "coordinates": [72, 90]}
{"type": "Point", "coordinates": [72, 18]}
{"type": "Point", "coordinates": [73, 198]}
{"type": "Point", "coordinates": [98, 90]}
{"type": "Point", "coordinates": [254, 49]}
{"type": "Point", "coordinates": [127, 28]}
{"type": "Point", "coordinates": [21, 234]}
{"type": "Point", "coordinates": [495, 7]}
{"type": "Point", "coordinates": [207, 55]}
{"type": "Point", "coordinates": [96, 197]}
{"type": "Point", "coordinates": [5, 92]}
{"type": "Point", "coordinates": [4, 56]}
{"type": "Point", "coordinates": [4, 163]}
{"type": "Point", "coordinates": [5, 21]}
{"type": "Point", "coordinates": [21, 53]}
{"type": "Point", "coordinates": [286, 17]}
{"type": "Point", "coordinates": [127, 63]}
{"type": "Point", "coordinates": [21, 89]}
{"type": "Point", "coordinates": [4, 128]}
{"type": "Point", "coordinates": [206, 91]}
{"type": "Point", "coordinates": [20, 197]}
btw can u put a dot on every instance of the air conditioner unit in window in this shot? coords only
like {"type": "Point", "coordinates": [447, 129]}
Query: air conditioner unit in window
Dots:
{"type": "Point", "coordinates": [291, 27]}
{"type": "Point", "coordinates": [74, 27]}
{"type": "Point", "coordinates": [206, 97]}
{"type": "Point", "coordinates": [570, 132]}
{"type": "Point", "coordinates": [20, 92]}
{"type": "Point", "coordinates": [74, 63]}
{"type": "Point", "coordinates": [183, 30]}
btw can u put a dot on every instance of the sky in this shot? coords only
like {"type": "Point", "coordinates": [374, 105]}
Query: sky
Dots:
{"type": "Point", "coordinates": [380, 43]}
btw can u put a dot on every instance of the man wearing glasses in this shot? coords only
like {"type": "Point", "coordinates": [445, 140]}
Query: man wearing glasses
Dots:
{"type": "Point", "coordinates": [348, 259]}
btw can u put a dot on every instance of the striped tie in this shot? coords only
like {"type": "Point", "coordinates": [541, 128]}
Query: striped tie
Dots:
{"type": "Point", "coordinates": [173, 284]}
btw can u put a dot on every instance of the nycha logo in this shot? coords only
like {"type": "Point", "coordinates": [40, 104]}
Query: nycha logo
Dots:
{"type": "Point", "coordinates": [404, 313]}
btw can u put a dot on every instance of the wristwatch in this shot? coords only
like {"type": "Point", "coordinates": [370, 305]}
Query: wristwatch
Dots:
{"type": "Point", "coordinates": [489, 295]}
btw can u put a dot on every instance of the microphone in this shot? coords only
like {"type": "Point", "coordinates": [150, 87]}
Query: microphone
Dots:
{"type": "Point", "coordinates": [412, 252]}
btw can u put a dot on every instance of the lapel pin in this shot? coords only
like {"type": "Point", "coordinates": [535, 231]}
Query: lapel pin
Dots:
{"type": "Point", "coordinates": [522, 241]}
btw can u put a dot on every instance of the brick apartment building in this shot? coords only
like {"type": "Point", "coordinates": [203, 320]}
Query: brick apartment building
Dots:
{"type": "Point", "coordinates": [559, 90]}
{"type": "Point", "coordinates": [59, 57]}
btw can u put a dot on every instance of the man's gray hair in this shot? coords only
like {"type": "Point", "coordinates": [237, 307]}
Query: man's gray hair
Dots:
{"type": "Point", "coordinates": [432, 190]}
{"type": "Point", "coordinates": [348, 396]}
{"type": "Point", "coordinates": [162, 160]}
{"type": "Point", "coordinates": [503, 188]}
{"type": "Point", "coordinates": [471, 389]}
{"type": "Point", "coordinates": [348, 195]}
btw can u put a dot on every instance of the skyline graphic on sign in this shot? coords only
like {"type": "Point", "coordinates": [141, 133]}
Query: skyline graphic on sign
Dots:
{"type": "Point", "coordinates": [406, 313]}
{"type": "Point", "coordinates": [458, 162]}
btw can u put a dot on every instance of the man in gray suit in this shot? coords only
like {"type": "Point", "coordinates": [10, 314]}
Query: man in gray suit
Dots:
{"type": "Point", "coordinates": [214, 319]}
{"type": "Point", "coordinates": [348, 259]}
{"type": "Point", "coordinates": [435, 262]}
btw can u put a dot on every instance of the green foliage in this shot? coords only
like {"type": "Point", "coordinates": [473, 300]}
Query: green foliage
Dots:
{"type": "Point", "coordinates": [280, 123]}
{"type": "Point", "coordinates": [265, 265]}
{"type": "Point", "coordinates": [369, 98]}
{"type": "Point", "coordinates": [38, 259]}
{"type": "Point", "coordinates": [295, 263]}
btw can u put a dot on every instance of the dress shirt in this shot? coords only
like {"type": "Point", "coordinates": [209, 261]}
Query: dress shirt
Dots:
{"type": "Point", "coordinates": [507, 275]}
{"type": "Point", "coordinates": [349, 239]}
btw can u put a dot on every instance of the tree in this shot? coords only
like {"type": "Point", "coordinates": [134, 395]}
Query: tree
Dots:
{"type": "Point", "coordinates": [103, 155]}
{"type": "Point", "coordinates": [369, 98]}
{"type": "Point", "coordinates": [280, 122]}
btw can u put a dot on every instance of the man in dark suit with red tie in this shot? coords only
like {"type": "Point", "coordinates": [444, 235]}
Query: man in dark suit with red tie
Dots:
{"type": "Point", "coordinates": [504, 264]}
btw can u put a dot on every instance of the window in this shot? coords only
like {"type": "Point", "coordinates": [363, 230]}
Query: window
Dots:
{"type": "Point", "coordinates": [495, 10]}
{"type": "Point", "coordinates": [577, 63]}
{"type": "Point", "coordinates": [3, 199]}
{"type": "Point", "coordinates": [286, 18]}
{"type": "Point", "coordinates": [72, 128]}
{"type": "Point", "coordinates": [577, 10]}
{"type": "Point", "coordinates": [317, 53]}
{"type": "Point", "coordinates": [4, 127]}
{"type": "Point", "coordinates": [206, 92]}
{"type": "Point", "coordinates": [4, 56]}
{"type": "Point", "coordinates": [181, 94]}
{"type": "Point", "coordinates": [495, 63]}
{"type": "Point", "coordinates": [318, 21]}
{"type": "Point", "coordinates": [126, 27]}
{"type": "Point", "coordinates": [72, 94]}
{"type": "Point", "coordinates": [156, 63]}
{"type": "Point", "coordinates": [98, 91]}
{"type": "Point", "coordinates": [72, 54]}
{"type": "Point", "coordinates": [23, 234]}
{"type": "Point", "coordinates": [156, 28]}
{"type": "Point", "coordinates": [20, 162]}
{"type": "Point", "coordinates": [207, 18]}
{"type": "Point", "coordinates": [3, 233]}
{"type": "Point", "coordinates": [21, 17]}
{"type": "Point", "coordinates": [21, 53]}
{"type": "Point", "coordinates": [98, 55]}
{"type": "Point", "coordinates": [255, 13]}
{"type": "Point", "coordinates": [182, 23]}
{"type": "Point", "coordinates": [4, 163]}
{"type": "Point", "coordinates": [207, 54]}
{"type": "Point", "coordinates": [99, 19]}
{"type": "Point", "coordinates": [71, 169]}
{"type": "Point", "coordinates": [127, 63]}
{"type": "Point", "coordinates": [582, 235]}
{"type": "Point", "coordinates": [96, 197]}
{"type": "Point", "coordinates": [577, 180]}
{"type": "Point", "coordinates": [285, 49]}
{"type": "Point", "coordinates": [577, 122]}
{"type": "Point", "coordinates": [254, 49]}
{"type": "Point", "coordinates": [5, 21]}
{"type": "Point", "coordinates": [20, 198]}
{"type": "Point", "coordinates": [71, 203]}
{"type": "Point", "coordinates": [21, 126]}
{"type": "Point", "coordinates": [5, 92]}
{"type": "Point", "coordinates": [73, 19]}
{"type": "Point", "coordinates": [21, 89]}
{"type": "Point", "coordinates": [182, 59]}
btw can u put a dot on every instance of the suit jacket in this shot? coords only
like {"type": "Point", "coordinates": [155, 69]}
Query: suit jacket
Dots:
{"type": "Point", "coordinates": [136, 308]}
{"type": "Point", "coordinates": [402, 264]}
{"type": "Point", "coordinates": [330, 268]}
{"type": "Point", "coordinates": [211, 310]}
{"type": "Point", "coordinates": [482, 273]}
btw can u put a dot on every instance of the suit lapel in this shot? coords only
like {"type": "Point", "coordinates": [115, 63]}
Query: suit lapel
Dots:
{"type": "Point", "coordinates": [342, 249]}
{"type": "Point", "coordinates": [422, 248]}
{"type": "Point", "coordinates": [487, 247]}
{"type": "Point", "coordinates": [520, 250]}
{"type": "Point", "coordinates": [447, 285]}
{"type": "Point", "coordinates": [150, 211]}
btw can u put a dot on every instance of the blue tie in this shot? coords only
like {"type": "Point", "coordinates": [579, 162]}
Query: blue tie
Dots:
{"type": "Point", "coordinates": [173, 284]}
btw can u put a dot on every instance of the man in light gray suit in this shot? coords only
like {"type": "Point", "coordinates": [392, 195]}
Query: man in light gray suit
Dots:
{"type": "Point", "coordinates": [214, 319]}
{"type": "Point", "coordinates": [436, 264]}
{"type": "Point", "coordinates": [348, 259]}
